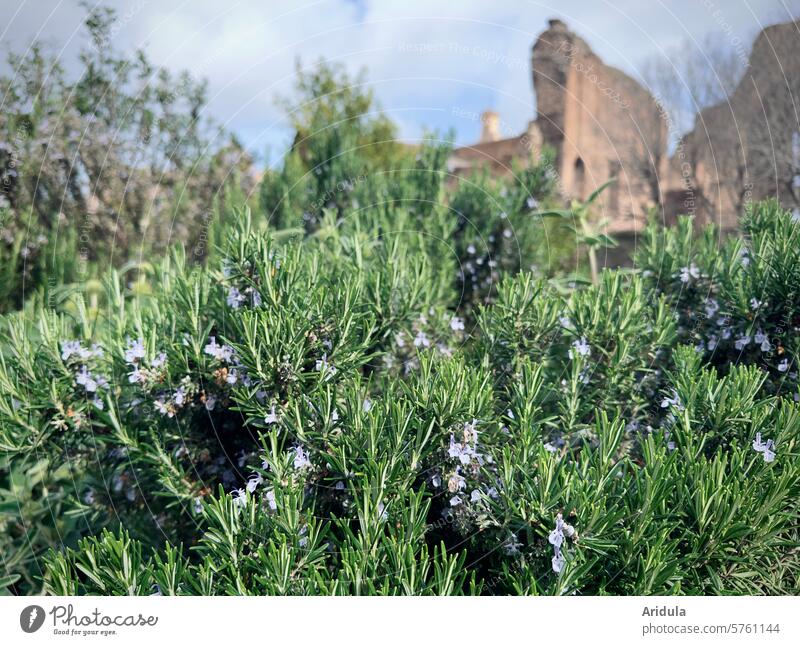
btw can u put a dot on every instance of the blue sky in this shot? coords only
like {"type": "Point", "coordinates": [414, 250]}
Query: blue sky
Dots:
{"type": "Point", "coordinates": [433, 64]}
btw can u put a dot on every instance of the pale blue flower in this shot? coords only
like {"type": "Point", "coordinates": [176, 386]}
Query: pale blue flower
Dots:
{"type": "Point", "coordinates": [672, 401]}
{"type": "Point", "coordinates": [235, 298]}
{"type": "Point", "coordinates": [159, 361]}
{"type": "Point", "coordinates": [180, 396]}
{"type": "Point", "coordinates": [764, 447]}
{"type": "Point", "coordinates": [135, 350]}
{"type": "Point", "coordinates": [301, 459]}
{"type": "Point", "coordinates": [272, 417]}
{"type": "Point", "coordinates": [220, 352]}
{"type": "Point", "coordinates": [580, 348]}
{"type": "Point", "coordinates": [85, 378]}
{"type": "Point", "coordinates": [689, 273]}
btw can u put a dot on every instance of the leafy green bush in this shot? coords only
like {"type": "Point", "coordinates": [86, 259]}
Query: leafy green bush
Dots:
{"type": "Point", "coordinates": [314, 414]}
{"type": "Point", "coordinates": [117, 162]}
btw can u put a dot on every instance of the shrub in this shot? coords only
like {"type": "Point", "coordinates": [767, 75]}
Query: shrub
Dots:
{"type": "Point", "coordinates": [310, 414]}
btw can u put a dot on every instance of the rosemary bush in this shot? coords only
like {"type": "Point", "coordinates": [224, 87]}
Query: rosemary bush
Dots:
{"type": "Point", "coordinates": [324, 413]}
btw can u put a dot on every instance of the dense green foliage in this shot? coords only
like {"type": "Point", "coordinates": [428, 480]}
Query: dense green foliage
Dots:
{"type": "Point", "coordinates": [317, 414]}
{"type": "Point", "coordinates": [380, 378]}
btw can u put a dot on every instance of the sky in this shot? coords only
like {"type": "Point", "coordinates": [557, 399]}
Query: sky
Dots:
{"type": "Point", "coordinates": [433, 64]}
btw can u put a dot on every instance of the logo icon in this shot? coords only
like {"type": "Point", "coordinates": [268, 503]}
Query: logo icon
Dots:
{"type": "Point", "coordinates": [31, 618]}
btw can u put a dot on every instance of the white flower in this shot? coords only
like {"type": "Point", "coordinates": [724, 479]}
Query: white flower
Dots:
{"type": "Point", "coordinates": [755, 303]}
{"type": "Point", "coordinates": [672, 401]}
{"type": "Point", "coordinates": [367, 405]}
{"type": "Point", "coordinates": [456, 324]}
{"type": "Point", "coordinates": [421, 340]}
{"type": "Point", "coordinates": [303, 541]}
{"type": "Point", "coordinates": [135, 350]}
{"type": "Point", "coordinates": [475, 496]}
{"type": "Point", "coordinates": [455, 501]}
{"type": "Point", "coordinates": [220, 352]}
{"type": "Point", "coordinates": [322, 364]}
{"type": "Point", "coordinates": [471, 431]}
{"type": "Point", "coordinates": [511, 545]}
{"type": "Point", "coordinates": [272, 417]}
{"type": "Point", "coordinates": [531, 203]}
{"type": "Point", "coordinates": [254, 482]}
{"type": "Point", "coordinates": [456, 483]}
{"type": "Point", "coordinates": [765, 448]}
{"type": "Point", "coordinates": [270, 497]}
{"type": "Point", "coordinates": [301, 459]}
{"type": "Point", "coordinates": [687, 273]}
{"type": "Point", "coordinates": [180, 396]}
{"type": "Point", "coordinates": [163, 408]}
{"type": "Point", "coordinates": [580, 348]}
{"type": "Point", "coordinates": [556, 538]}
{"type": "Point", "coordinates": [744, 256]}
{"type": "Point", "coordinates": [239, 498]}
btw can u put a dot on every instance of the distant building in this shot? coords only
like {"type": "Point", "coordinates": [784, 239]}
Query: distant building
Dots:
{"type": "Point", "coordinates": [602, 124]}
{"type": "Point", "coordinates": [599, 122]}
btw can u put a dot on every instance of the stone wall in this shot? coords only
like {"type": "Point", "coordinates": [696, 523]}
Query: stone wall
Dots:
{"type": "Point", "coordinates": [600, 123]}
{"type": "Point", "coordinates": [747, 148]}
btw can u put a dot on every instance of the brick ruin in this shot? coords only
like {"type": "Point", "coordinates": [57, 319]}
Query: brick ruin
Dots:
{"type": "Point", "coordinates": [601, 124]}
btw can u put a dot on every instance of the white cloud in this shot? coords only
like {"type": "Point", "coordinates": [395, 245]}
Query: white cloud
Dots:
{"type": "Point", "coordinates": [425, 58]}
